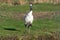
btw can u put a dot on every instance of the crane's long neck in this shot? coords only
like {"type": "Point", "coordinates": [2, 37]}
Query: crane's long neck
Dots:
{"type": "Point", "coordinates": [30, 6]}
{"type": "Point", "coordinates": [30, 13]}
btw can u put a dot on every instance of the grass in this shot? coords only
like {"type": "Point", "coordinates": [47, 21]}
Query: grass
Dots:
{"type": "Point", "coordinates": [46, 7]}
{"type": "Point", "coordinates": [25, 8]}
{"type": "Point", "coordinates": [12, 26]}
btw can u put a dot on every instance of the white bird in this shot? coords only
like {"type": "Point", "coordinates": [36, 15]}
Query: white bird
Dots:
{"type": "Point", "coordinates": [29, 18]}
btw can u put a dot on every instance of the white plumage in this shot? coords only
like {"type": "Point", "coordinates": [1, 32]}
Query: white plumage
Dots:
{"type": "Point", "coordinates": [29, 18]}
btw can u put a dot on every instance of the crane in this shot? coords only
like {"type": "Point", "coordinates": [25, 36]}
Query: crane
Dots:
{"type": "Point", "coordinates": [29, 18]}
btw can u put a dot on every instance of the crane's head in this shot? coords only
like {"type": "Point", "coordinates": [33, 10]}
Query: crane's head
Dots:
{"type": "Point", "coordinates": [30, 4]}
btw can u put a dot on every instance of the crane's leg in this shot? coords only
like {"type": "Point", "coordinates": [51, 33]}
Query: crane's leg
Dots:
{"type": "Point", "coordinates": [27, 30]}
{"type": "Point", "coordinates": [25, 25]}
{"type": "Point", "coordinates": [29, 27]}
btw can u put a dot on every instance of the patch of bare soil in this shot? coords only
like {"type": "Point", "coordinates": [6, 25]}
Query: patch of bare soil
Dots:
{"type": "Point", "coordinates": [37, 15]}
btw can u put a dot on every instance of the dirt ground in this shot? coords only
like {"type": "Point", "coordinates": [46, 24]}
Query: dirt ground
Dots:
{"type": "Point", "coordinates": [37, 15]}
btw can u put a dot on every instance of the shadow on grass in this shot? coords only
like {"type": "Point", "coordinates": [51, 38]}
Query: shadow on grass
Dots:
{"type": "Point", "coordinates": [11, 29]}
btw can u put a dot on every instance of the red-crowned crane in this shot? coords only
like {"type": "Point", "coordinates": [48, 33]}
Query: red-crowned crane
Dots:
{"type": "Point", "coordinates": [29, 18]}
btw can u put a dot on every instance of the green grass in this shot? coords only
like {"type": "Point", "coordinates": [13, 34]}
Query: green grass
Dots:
{"type": "Point", "coordinates": [46, 7]}
{"type": "Point", "coordinates": [10, 26]}
{"type": "Point", "coordinates": [16, 27]}
{"type": "Point", "coordinates": [25, 8]}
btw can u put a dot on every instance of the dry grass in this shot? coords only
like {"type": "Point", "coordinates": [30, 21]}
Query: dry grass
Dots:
{"type": "Point", "coordinates": [9, 37]}
{"type": "Point", "coordinates": [52, 36]}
